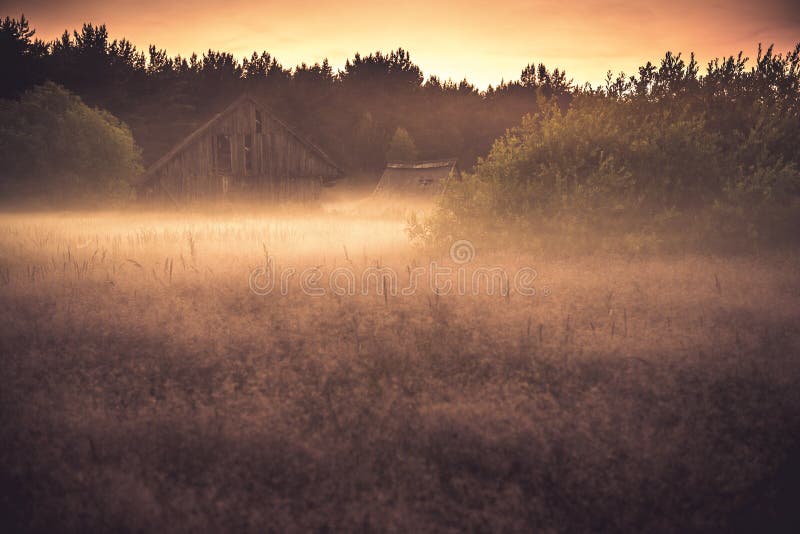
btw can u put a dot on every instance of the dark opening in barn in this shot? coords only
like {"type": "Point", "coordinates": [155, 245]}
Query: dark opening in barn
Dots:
{"type": "Point", "coordinates": [223, 158]}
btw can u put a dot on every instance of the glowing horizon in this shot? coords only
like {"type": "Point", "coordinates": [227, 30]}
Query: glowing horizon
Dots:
{"type": "Point", "coordinates": [476, 39]}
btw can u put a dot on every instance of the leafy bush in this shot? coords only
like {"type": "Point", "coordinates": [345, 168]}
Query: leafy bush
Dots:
{"type": "Point", "coordinates": [647, 168]}
{"type": "Point", "coordinates": [54, 147]}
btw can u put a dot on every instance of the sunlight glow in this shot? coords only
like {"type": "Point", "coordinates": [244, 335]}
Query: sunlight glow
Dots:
{"type": "Point", "coordinates": [479, 40]}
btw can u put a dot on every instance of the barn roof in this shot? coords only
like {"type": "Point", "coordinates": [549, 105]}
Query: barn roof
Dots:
{"type": "Point", "coordinates": [149, 174]}
{"type": "Point", "coordinates": [418, 179]}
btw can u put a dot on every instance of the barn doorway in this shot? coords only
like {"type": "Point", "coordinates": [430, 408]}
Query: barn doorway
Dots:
{"type": "Point", "coordinates": [222, 153]}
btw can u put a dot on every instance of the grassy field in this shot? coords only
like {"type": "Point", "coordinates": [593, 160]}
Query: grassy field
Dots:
{"type": "Point", "coordinates": [145, 386]}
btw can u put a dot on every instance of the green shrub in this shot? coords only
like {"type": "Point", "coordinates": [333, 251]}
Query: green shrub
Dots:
{"type": "Point", "coordinates": [56, 148]}
{"type": "Point", "coordinates": [629, 175]}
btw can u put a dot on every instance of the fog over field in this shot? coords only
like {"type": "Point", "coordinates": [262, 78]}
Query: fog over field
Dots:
{"type": "Point", "coordinates": [148, 385]}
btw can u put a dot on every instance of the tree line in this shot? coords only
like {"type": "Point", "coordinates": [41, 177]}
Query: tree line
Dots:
{"type": "Point", "coordinates": [353, 112]}
{"type": "Point", "coordinates": [657, 160]}
{"type": "Point", "coordinates": [674, 138]}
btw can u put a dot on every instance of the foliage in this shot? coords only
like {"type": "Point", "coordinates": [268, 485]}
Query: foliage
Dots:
{"type": "Point", "coordinates": [402, 147]}
{"type": "Point", "coordinates": [666, 148]}
{"type": "Point", "coordinates": [53, 146]}
{"type": "Point", "coordinates": [21, 56]}
{"type": "Point", "coordinates": [353, 113]}
{"type": "Point", "coordinates": [649, 156]}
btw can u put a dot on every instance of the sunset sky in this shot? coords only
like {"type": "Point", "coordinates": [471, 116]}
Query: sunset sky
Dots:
{"type": "Point", "coordinates": [482, 40]}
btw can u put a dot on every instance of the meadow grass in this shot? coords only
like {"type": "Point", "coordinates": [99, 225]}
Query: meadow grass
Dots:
{"type": "Point", "coordinates": [146, 387]}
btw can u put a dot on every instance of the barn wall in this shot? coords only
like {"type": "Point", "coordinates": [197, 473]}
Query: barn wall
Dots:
{"type": "Point", "coordinates": [283, 166]}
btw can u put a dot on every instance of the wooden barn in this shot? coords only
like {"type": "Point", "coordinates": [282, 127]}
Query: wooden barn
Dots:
{"type": "Point", "coordinates": [244, 151]}
{"type": "Point", "coordinates": [417, 181]}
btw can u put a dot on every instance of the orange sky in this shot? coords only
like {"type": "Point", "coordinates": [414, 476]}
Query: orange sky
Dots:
{"type": "Point", "coordinates": [482, 40]}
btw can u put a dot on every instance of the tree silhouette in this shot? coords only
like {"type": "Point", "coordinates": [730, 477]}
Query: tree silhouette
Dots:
{"type": "Point", "coordinates": [402, 147]}
{"type": "Point", "coordinates": [21, 57]}
{"type": "Point", "coordinates": [355, 112]}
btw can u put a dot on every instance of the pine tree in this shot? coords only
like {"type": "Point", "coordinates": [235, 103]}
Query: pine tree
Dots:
{"type": "Point", "coordinates": [402, 147]}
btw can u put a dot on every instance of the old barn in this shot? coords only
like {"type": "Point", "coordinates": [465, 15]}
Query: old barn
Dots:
{"type": "Point", "coordinates": [243, 151]}
{"type": "Point", "coordinates": [419, 180]}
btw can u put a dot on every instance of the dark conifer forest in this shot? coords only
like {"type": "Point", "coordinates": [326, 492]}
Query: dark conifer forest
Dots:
{"type": "Point", "coordinates": [352, 112]}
